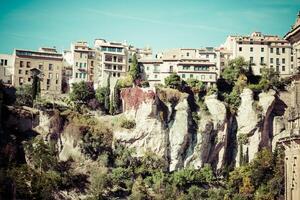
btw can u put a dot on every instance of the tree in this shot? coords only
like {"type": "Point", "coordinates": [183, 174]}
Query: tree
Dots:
{"type": "Point", "coordinates": [174, 81]}
{"type": "Point", "coordinates": [102, 96]}
{"type": "Point", "coordinates": [24, 95]}
{"type": "Point", "coordinates": [134, 68]}
{"type": "Point", "coordinates": [82, 92]}
{"type": "Point", "coordinates": [235, 68]}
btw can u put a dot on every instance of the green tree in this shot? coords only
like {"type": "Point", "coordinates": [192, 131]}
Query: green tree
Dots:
{"type": "Point", "coordinates": [174, 81]}
{"type": "Point", "coordinates": [24, 95]}
{"type": "Point", "coordinates": [134, 68]}
{"type": "Point", "coordinates": [234, 69]}
{"type": "Point", "coordinates": [81, 92]}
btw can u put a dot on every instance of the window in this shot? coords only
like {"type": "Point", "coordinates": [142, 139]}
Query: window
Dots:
{"type": "Point", "coordinates": [50, 76]}
{"type": "Point", "coordinates": [20, 71]}
{"type": "Point", "coordinates": [80, 75]}
{"type": "Point", "coordinates": [114, 74]}
{"type": "Point", "coordinates": [191, 75]}
{"type": "Point", "coordinates": [271, 66]}
{"type": "Point", "coordinates": [283, 60]}
{"type": "Point", "coordinates": [147, 68]}
{"type": "Point", "coordinates": [92, 63]}
{"type": "Point", "coordinates": [2, 62]}
{"type": "Point", "coordinates": [251, 49]}
{"type": "Point", "coordinates": [283, 68]}
{"type": "Point", "coordinates": [29, 79]}
{"type": "Point", "coordinates": [292, 58]}
{"type": "Point", "coordinates": [251, 59]}
{"type": "Point", "coordinates": [41, 67]}
{"type": "Point", "coordinates": [283, 50]}
{"type": "Point", "coordinates": [277, 61]}
{"type": "Point", "coordinates": [118, 74]}
{"type": "Point", "coordinates": [80, 65]}
{"type": "Point", "coordinates": [271, 50]}
{"type": "Point", "coordinates": [80, 55]}
{"type": "Point", "coordinates": [262, 49]}
{"type": "Point", "coordinates": [277, 50]}
{"type": "Point", "coordinates": [171, 68]}
{"type": "Point", "coordinates": [277, 68]}
{"type": "Point", "coordinates": [84, 64]}
{"type": "Point", "coordinates": [210, 76]}
{"type": "Point", "coordinates": [21, 64]}
{"type": "Point", "coordinates": [187, 54]}
{"type": "Point", "coordinates": [76, 64]}
{"type": "Point", "coordinates": [115, 67]}
{"type": "Point", "coordinates": [56, 81]}
{"type": "Point", "coordinates": [183, 75]}
{"type": "Point", "coordinates": [28, 64]}
{"type": "Point", "coordinates": [50, 67]}
{"type": "Point", "coordinates": [240, 49]}
{"type": "Point", "coordinates": [76, 75]}
{"type": "Point", "coordinates": [21, 80]}
{"type": "Point", "coordinates": [261, 60]}
{"type": "Point", "coordinates": [120, 67]}
{"type": "Point", "coordinates": [155, 76]}
{"type": "Point", "coordinates": [207, 56]}
{"type": "Point", "coordinates": [271, 60]}
{"type": "Point", "coordinates": [26, 72]}
{"type": "Point", "coordinates": [56, 75]}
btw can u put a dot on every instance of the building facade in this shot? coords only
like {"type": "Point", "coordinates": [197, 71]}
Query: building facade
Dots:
{"type": "Point", "coordinates": [293, 36]}
{"type": "Point", "coordinates": [202, 64]}
{"type": "Point", "coordinates": [114, 61]}
{"type": "Point", "coordinates": [83, 60]}
{"type": "Point", "coordinates": [262, 51]}
{"type": "Point", "coordinates": [6, 68]}
{"type": "Point", "coordinates": [47, 61]}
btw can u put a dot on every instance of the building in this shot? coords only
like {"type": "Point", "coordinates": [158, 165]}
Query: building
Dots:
{"type": "Point", "coordinates": [262, 51]}
{"type": "Point", "coordinates": [291, 143]}
{"type": "Point", "coordinates": [47, 60]}
{"type": "Point", "coordinates": [83, 60]}
{"type": "Point", "coordinates": [202, 64]}
{"type": "Point", "coordinates": [6, 68]}
{"type": "Point", "coordinates": [113, 63]}
{"type": "Point", "coordinates": [293, 36]}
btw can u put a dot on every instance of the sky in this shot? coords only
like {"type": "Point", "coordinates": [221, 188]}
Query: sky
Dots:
{"type": "Point", "coordinates": [160, 24]}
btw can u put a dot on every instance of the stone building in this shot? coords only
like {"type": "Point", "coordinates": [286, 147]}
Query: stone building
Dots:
{"type": "Point", "coordinates": [291, 143]}
{"type": "Point", "coordinates": [83, 61]}
{"type": "Point", "coordinates": [202, 64]}
{"type": "Point", "coordinates": [293, 36]}
{"type": "Point", "coordinates": [262, 50]}
{"type": "Point", "coordinates": [47, 61]}
{"type": "Point", "coordinates": [6, 68]}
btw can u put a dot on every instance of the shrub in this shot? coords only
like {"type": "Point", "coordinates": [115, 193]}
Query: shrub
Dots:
{"type": "Point", "coordinates": [24, 95]}
{"type": "Point", "coordinates": [82, 92]}
{"type": "Point", "coordinates": [234, 69]}
{"type": "Point", "coordinates": [174, 81]}
{"type": "Point", "coordinates": [145, 84]}
{"type": "Point", "coordinates": [128, 124]}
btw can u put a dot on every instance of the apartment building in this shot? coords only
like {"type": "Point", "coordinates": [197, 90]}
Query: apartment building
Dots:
{"type": "Point", "coordinates": [200, 64]}
{"type": "Point", "coordinates": [46, 60]}
{"type": "Point", "coordinates": [114, 61]}
{"type": "Point", "coordinates": [83, 60]}
{"type": "Point", "coordinates": [262, 51]}
{"type": "Point", "coordinates": [293, 36]}
{"type": "Point", "coordinates": [6, 68]}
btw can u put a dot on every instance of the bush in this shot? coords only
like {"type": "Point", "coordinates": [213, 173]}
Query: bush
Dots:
{"type": "Point", "coordinates": [145, 84]}
{"type": "Point", "coordinates": [24, 95]}
{"type": "Point", "coordinates": [128, 124]}
{"type": "Point", "coordinates": [82, 92]}
{"type": "Point", "coordinates": [174, 81]}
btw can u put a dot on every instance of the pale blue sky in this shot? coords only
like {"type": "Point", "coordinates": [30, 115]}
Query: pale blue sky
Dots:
{"type": "Point", "coordinates": [162, 24]}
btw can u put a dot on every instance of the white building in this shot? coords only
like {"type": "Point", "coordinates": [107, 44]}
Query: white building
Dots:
{"type": "Point", "coordinates": [83, 60]}
{"type": "Point", "coordinates": [6, 68]}
{"type": "Point", "coordinates": [262, 51]}
{"type": "Point", "coordinates": [202, 64]}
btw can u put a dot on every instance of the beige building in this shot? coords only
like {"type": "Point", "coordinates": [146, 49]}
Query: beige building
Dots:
{"type": "Point", "coordinates": [291, 143]}
{"type": "Point", "coordinates": [293, 36]}
{"type": "Point", "coordinates": [262, 51]}
{"type": "Point", "coordinates": [83, 60]}
{"type": "Point", "coordinates": [6, 68]}
{"type": "Point", "coordinates": [47, 60]}
{"type": "Point", "coordinates": [113, 63]}
{"type": "Point", "coordinates": [202, 64]}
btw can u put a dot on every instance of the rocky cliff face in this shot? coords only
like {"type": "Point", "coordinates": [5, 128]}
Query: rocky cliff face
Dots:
{"type": "Point", "coordinates": [165, 125]}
